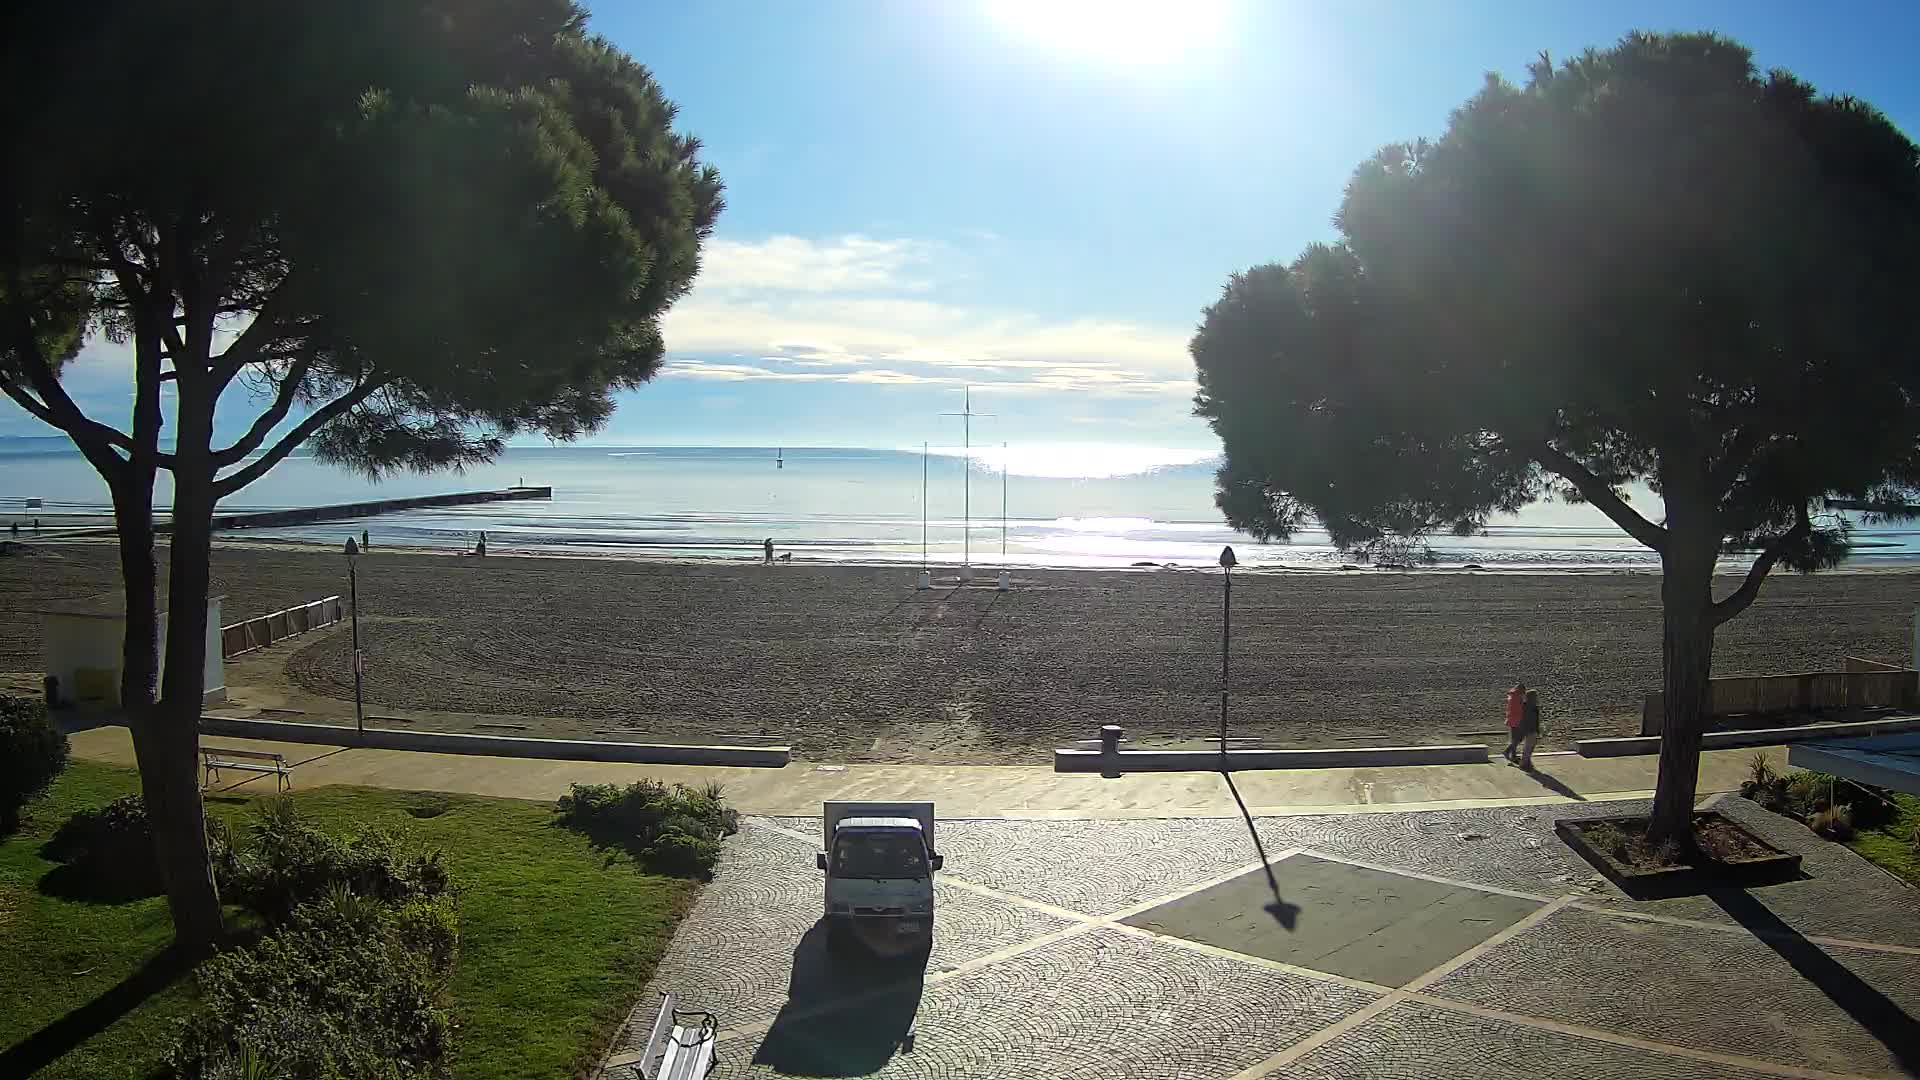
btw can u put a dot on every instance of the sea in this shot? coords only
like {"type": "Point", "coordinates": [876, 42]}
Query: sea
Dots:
{"type": "Point", "coordinates": [1090, 506]}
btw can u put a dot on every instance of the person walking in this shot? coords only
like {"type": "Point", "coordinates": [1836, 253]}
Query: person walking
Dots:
{"type": "Point", "coordinates": [1529, 729]}
{"type": "Point", "coordinates": [769, 547]}
{"type": "Point", "coordinates": [1516, 708]}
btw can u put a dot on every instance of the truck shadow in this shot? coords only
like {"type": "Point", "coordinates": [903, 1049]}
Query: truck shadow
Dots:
{"type": "Point", "coordinates": [846, 1013]}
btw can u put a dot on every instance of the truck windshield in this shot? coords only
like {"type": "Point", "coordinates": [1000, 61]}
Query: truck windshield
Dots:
{"type": "Point", "coordinates": [879, 855]}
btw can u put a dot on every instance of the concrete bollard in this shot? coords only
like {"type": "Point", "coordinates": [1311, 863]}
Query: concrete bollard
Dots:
{"type": "Point", "coordinates": [926, 579]}
{"type": "Point", "coordinates": [966, 573]}
{"type": "Point", "coordinates": [1110, 751]}
{"type": "Point", "coordinates": [1005, 580]}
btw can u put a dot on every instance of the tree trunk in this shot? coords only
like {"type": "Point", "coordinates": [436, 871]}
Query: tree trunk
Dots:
{"type": "Point", "coordinates": [1686, 662]}
{"type": "Point", "coordinates": [180, 831]}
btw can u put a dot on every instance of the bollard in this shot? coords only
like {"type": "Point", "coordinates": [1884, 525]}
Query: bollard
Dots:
{"type": "Point", "coordinates": [1005, 580]}
{"type": "Point", "coordinates": [966, 574]}
{"type": "Point", "coordinates": [926, 579]}
{"type": "Point", "coordinates": [1110, 751]}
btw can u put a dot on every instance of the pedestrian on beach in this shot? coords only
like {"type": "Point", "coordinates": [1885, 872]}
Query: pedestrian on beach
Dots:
{"type": "Point", "coordinates": [16, 530]}
{"type": "Point", "coordinates": [365, 543]}
{"type": "Point", "coordinates": [769, 547]}
{"type": "Point", "coordinates": [1516, 707]}
{"type": "Point", "coordinates": [1529, 729]}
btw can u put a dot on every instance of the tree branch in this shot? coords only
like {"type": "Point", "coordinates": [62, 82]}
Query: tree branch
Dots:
{"type": "Point", "coordinates": [1742, 598]}
{"type": "Point", "coordinates": [1738, 455]}
{"type": "Point", "coordinates": [301, 432]}
{"type": "Point", "coordinates": [264, 424]}
{"type": "Point", "coordinates": [247, 348]}
{"type": "Point", "coordinates": [1600, 494]}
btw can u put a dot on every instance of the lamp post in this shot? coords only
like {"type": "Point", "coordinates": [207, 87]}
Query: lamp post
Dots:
{"type": "Point", "coordinates": [353, 594]}
{"type": "Point", "coordinates": [1227, 563]}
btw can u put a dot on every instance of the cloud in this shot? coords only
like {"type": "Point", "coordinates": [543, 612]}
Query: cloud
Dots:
{"type": "Point", "coordinates": [858, 309]}
{"type": "Point", "coordinates": [796, 264]}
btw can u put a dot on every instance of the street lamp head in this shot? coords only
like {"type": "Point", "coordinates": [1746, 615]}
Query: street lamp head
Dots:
{"type": "Point", "coordinates": [1226, 557]}
{"type": "Point", "coordinates": [353, 549]}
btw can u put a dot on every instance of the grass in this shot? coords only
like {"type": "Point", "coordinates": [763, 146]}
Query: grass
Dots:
{"type": "Point", "coordinates": [556, 937]}
{"type": "Point", "coordinates": [1892, 845]}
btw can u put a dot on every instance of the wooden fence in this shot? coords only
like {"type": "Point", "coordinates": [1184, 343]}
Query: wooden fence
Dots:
{"type": "Point", "coordinates": [258, 633]}
{"type": "Point", "coordinates": [1865, 684]}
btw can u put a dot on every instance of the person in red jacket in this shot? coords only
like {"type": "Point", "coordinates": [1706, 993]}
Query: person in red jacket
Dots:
{"type": "Point", "coordinates": [1516, 708]}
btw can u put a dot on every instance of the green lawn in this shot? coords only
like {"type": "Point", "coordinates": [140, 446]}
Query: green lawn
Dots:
{"type": "Point", "coordinates": [556, 938]}
{"type": "Point", "coordinates": [1891, 845]}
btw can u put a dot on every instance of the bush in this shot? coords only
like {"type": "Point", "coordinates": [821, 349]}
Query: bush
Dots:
{"type": "Point", "coordinates": [108, 851]}
{"type": "Point", "coordinates": [32, 753]}
{"type": "Point", "coordinates": [290, 862]}
{"type": "Point", "coordinates": [1833, 822]}
{"type": "Point", "coordinates": [350, 986]}
{"type": "Point", "coordinates": [674, 830]}
{"type": "Point", "coordinates": [1760, 772]}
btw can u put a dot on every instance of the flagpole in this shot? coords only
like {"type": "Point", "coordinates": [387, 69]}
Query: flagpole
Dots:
{"type": "Point", "coordinates": [923, 506]}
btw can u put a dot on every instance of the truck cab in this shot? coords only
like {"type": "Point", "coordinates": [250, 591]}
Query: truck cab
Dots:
{"type": "Point", "coordinates": [879, 861]}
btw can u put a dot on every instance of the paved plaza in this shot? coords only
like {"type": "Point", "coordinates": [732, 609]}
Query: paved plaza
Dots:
{"type": "Point", "coordinates": [1447, 943]}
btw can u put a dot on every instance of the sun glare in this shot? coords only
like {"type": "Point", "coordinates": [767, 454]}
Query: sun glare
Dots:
{"type": "Point", "coordinates": [1126, 31]}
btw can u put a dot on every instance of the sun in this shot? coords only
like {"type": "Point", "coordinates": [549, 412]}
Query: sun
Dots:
{"type": "Point", "coordinates": [1120, 31]}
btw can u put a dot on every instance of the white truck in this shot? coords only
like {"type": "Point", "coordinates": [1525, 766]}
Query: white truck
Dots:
{"type": "Point", "coordinates": [879, 861]}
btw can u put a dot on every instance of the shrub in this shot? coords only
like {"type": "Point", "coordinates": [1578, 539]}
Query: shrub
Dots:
{"type": "Point", "coordinates": [343, 989]}
{"type": "Point", "coordinates": [32, 753]}
{"type": "Point", "coordinates": [674, 830]}
{"type": "Point", "coordinates": [1760, 771]}
{"type": "Point", "coordinates": [1807, 792]}
{"type": "Point", "coordinates": [290, 862]}
{"type": "Point", "coordinates": [1833, 822]}
{"type": "Point", "coordinates": [108, 851]}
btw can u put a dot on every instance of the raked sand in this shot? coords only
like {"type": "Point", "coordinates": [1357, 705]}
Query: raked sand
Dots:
{"type": "Point", "coordinates": [854, 664]}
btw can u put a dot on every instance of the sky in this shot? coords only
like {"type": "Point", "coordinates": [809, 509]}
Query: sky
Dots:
{"type": "Point", "coordinates": [1039, 198]}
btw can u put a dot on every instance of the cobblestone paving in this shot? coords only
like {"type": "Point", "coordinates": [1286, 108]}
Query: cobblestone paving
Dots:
{"type": "Point", "coordinates": [1010, 991]}
{"type": "Point", "coordinates": [1418, 1042]}
{"type": "Point", "coordinates": [1092, 1005]}
{"type": "Point", "coordinates": [1089, 866]}
{"type": "Point", "coordinates": [1700, 988]}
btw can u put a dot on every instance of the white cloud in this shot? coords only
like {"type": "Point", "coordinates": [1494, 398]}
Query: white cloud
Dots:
{"type": "Point", "coordinates": [859, 309]}
{"type": "Point", "coordinates": [796, 264]}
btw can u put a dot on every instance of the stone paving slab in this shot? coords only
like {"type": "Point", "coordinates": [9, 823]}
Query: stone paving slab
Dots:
{"type": "Point", "coordinates": [1419, 1042]}
{"type": "Point", "coordinates": [1101, 1004]}
{"type": "Point", "coordinates": [1096, 867]}
{"type": "Point", "coordinates": [737, 952]}
{"type": "Point", "coordinates": [1833, 1008]}
{"type": "Point", "coordinates": [1364, 924]}
{"type": "Point", "coordinates": [1011, 991]}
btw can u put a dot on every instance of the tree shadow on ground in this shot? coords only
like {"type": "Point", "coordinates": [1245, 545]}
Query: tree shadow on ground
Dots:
{"type": "Point", "coordinates": [57, 1039]}
{"type": "Point", "coordinates": [97, 866]}
{"type": "Point", "coordinates": [847, 1012]}
{"type": "Point", "coordinates": [1287, 915]}
{"type": "Point", "coordinates": [1883, 1018]}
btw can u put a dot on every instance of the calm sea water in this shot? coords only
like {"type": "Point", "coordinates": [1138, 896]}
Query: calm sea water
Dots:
{"type": "Point", "coordinates": [1064, 506]}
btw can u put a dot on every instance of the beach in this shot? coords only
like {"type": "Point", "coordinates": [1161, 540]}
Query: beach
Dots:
{"type": "Point", "coordinates": [849, 663]}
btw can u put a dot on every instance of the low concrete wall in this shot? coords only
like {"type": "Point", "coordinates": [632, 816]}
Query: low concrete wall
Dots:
{"type": "Point", "coordinates": [1883, 687]}
{"type": "Point", "coordinates": [1240, 760]}
{"type": "Point", "coordinates": [438, 742]}
{"type": "Point", "coordinates": [258, 633]}
{"type": "Point", "coordinates": [1733, 740]}
{"type": "Point", "coordinates": [305, 514]}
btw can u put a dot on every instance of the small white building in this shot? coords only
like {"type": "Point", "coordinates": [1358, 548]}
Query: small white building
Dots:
{"type": "Point", "coordinates": [83, 643]}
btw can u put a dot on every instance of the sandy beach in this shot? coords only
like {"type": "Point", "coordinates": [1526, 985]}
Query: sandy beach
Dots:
{"type": "Point", "coordinates": [852, 664]}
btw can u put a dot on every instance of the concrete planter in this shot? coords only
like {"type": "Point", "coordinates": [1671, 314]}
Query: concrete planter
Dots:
{"type": "Point", "coordinates": [1650, 884]}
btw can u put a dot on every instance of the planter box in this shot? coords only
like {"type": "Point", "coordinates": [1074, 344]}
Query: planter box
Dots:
{"type": "Point", "coordinates": [1646, 884]}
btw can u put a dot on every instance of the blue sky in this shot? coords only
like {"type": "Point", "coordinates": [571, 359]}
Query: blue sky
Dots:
{"type": "Point", "coordinates": [1040, 200]}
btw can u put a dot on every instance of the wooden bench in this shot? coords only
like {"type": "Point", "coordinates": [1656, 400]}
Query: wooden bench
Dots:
{"type": "Point", "coordinates": [674, 1051]}
{"type": "Point", "coordinates": [215, 758]}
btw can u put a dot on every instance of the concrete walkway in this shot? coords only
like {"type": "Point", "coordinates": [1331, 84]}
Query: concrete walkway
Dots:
{"type": "Point", "coordinates": [989, 791]}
